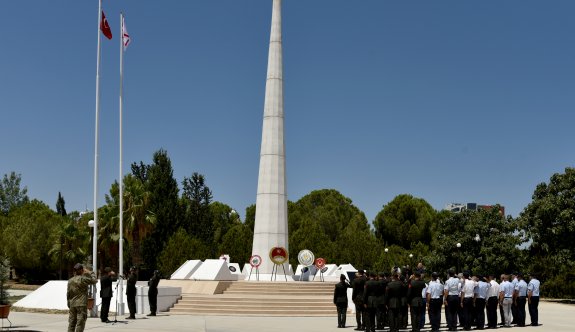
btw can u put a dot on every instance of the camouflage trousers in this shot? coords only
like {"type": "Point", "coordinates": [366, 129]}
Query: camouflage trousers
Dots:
{"type": "Point", "coordinates": [77, 318]}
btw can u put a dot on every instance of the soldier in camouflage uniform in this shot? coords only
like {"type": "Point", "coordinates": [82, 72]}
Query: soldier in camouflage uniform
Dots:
{"type": "Point", "coordinates": [77, 296]}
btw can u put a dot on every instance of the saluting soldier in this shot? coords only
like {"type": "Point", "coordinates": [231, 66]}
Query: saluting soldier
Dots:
{"type": "Point", "coordinates": [340, 300]}
{"type": "Point", "coordinates": [415, 300]}
{"type": "Point", "coordinates": [77, 296]}
{"type": "Point", "coordinates": [358, 285]}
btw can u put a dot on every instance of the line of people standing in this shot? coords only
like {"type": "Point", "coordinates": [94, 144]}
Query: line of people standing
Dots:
{"type": "Point", "coordinates": [383, 300]}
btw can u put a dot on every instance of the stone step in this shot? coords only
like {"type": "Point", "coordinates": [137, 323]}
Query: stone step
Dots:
{"type": "Point", "coordinates": [269, 301]}
{"type": "Point", "coordinates": [260, 306]}
{"type": "Point", "coordinates": [256, 312]}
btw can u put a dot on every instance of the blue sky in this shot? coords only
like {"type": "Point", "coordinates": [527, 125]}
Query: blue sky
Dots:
{"type": "Point", "coordinates": [450, 101]}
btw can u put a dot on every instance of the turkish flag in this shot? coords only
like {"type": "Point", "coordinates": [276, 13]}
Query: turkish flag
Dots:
{"type": "Point", "coordinates": [105, 27]}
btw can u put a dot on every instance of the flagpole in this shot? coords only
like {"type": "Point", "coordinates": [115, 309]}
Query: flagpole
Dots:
{"type": "Point", "coordinates": [94, 311]}
{"type": "Point", "coordinates": [121, 240]}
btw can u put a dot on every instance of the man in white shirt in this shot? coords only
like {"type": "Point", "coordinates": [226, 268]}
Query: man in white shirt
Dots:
{"type": "Point", "coordinates": [533, 299]}
{"type": "Point", "coordinates": [467, 295]}
{"type": "Point", "coordinates": [506, 299]}
{"type": "Point", "coordinates": [492, 301]}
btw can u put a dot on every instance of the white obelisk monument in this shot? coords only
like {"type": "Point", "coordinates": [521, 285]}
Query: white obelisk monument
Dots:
{"type": "Point", "coordinates": [271, 225]}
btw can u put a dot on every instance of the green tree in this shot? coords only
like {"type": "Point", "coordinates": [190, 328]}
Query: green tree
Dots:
{"type": "Point", "coordinates": [180, 247]}
{"type": "Point", "coordinates": [61, 205]}
{"type": "Point", "coordinates": [405, 220]}
{"type": "Point", "coordinates": [163, 191]}
{"type": "Point", "coordinates": [197, 197]}
{"type": "Point", "coordinates": [11, 194]}
{"type": "Point", "coordinates": [489, 242]}
{"type": "Point", "coordinates": [70, 245]}
{"type": "Point", "coordinates": [549, 222]}
{"type": "Point", "coordinates": [250, 219]}
{"type": "Point", "coordinates": [237, 242]}
{"type": "Point", "coordinates": [223, 219]}
{"type": "Point", "coordinates": [31, 230]}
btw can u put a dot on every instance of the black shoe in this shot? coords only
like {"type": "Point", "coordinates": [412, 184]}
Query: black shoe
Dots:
{"type": "Point", "coordinates": [151, 314]}
{"type": "Point", "coordinates": [130, 317]}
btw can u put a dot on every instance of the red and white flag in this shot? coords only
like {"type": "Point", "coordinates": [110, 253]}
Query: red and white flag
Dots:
{"type": "Point", "coordinates": [105, 27]}
{"type": "Point", "coordinates": [125, 34]}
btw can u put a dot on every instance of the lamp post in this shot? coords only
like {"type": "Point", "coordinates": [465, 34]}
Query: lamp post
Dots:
{"type": "Point", "coordinates": [477, 239]}
{"type": "Point", "coordinates": [386, 257]}
{"type": "Point", "coordinates": [458, 245]}
{"type": "Point", "coordinates": [94, 311]}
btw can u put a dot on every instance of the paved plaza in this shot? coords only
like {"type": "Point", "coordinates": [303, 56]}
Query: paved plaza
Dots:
{"type": "Point", "coordinates": [552, 316]}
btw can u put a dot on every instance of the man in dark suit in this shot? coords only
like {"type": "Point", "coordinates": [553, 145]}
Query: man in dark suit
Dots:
{"type": "Point", "coordinates": [153, 292]}
{"type": "Point", "coordinates": [358, 285]}
{"type": "Point", "coordinates": [106, 292]}
{"type": "Point", "coordinates": [340, 300]}
{"type": "Point", "coordinates": [381, 311]}
{"type": "Point", "coordinates": [415, 300]}
{"type": "Point", "coordinates": [131, 292]}
{"type": "Point", "coordinates": [370, 294]}
{"type": "Point", "coordinates": [393, 294]}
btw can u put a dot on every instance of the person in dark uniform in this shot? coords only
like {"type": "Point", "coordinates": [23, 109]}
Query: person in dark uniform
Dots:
{"type": "Point", "coordinates": [358, 285]}
{"type": "Point", "coordinates": [393, 294]}
{"type": "Point", "coordinates": [381, 311]}
{"type": "Point", "coordinates": [434, 301]}
{"type": "Point", "coordinates": [404, 305]}
{"type": "Point", "coordinates": [153, 292]}
{"type": "Point", "coordinates": [340, 300]}
{"type": "Point", "coordinates": [77, 297]}
{"type": "Point", "coordinates": [370, 294]}
{"type": "Point", "coordinates": [415, 301]}
{"type": "Point", "coordinates": [131, 292]}
{"type": "Point", "coordinates": [106, 293]}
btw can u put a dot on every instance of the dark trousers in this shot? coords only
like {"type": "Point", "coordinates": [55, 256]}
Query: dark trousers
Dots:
{"type": "Point", "coordinates": [422, 309]}
{"type": "Point", "coordinates": [341, 315]}
{"type": "Point", "coordinates": [153, 300]}
{"type": "Point", "coordinates": [467, 313]}
{"type": "Point", "coordinates": [359, 314]}
{"type": "Point", "coordinates": [451, 311]}
{"type": "Point", "coordinates": [105, 309]}
{"type": "Point", "coordinates": [534, 310]}
{"type": "Point", "coordinates": [435, 313]}
{"type": "Point", "coordinates": [132, 305]}
{"type": "Point", "coordinates": [404, 315]}
{"type": "Point", "coordinates": [514, 313]}
{"type": "Point", "coordinates": [492, 312]}
{"type": "Point", "coordinates": [381, 317]}
{"type": "Point", "coordinates": [394, 315]}
{"type": "Point", "coordinates": [501, 315]}
{"type": "Point", "coordinates": [370, 319]}
{"type": "Point", "coordinates": [521, 300]}
{"type": "Point", "coordinates": [415, 318]}
{"type": "Point", "coordinates": [480, 312]}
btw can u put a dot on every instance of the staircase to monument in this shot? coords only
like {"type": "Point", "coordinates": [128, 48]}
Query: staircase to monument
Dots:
{"type": "Point", "coordinates": [244, 298]}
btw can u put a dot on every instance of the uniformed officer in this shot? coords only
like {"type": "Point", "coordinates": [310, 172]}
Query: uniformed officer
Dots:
{"type": "Point", "coordinates": [131, 292]}
{"type": "Point", "coordinates": [393, 293]}
{"type": "Point", "coordinates": [358, 285]}
{"type": "Point", "coordinates": [506, 299]}
{"type": "Point", "coordinates": [381, 310]}
{"type": "Point", "coordinates": [492, 302]}
{"type": "Point", "coordinates": [370, 294]}
{"type": "Point", "coordinates": [480, 301]}
{"type": "Point", "coordinates": [404, 305]}
{"type": "Point", "coordinates": [340, 300]}
{"type": "Point", "coordinates": [520, 299]}
{"type": "Point", "coordinates": [467, 296]}
{"type": "Point", "coordinates": [434, 301]}
{"type": "Point", "coordinates": [533, 299]}
{"type": "Point", "coordinates": [77, 296]}
{"type": "Point", "coordinates": [106, 293]}
{"type": "Point", "coordinates": [153, 292]}
{"type": "Point", "coordinates": [514, 314]}
{"type": "Point", "coordinates": [415, 300]}
{"type": "Point", "coordinates": [451, 293]}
